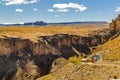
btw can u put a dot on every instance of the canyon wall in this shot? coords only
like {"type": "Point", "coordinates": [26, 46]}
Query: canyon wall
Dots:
{"type": "Point", "coordinates": [19, 58]}
{"type": "Point", "coordinates": [48, 44]}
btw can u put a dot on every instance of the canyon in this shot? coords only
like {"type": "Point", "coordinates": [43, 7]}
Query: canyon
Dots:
{"type": "Point", "coordinates": [28, 53]}
{"type": "Point", "coordinates": [23, 59]}
{"type": "Point", "coordinates": [105, 68]}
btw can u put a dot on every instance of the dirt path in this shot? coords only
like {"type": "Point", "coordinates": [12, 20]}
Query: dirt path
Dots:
{"type": "Point", "coordinates": [103, 64]}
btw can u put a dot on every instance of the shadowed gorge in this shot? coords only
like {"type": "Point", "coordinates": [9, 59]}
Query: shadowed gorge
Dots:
{"type": "Point", "coordinates": [17, 54]}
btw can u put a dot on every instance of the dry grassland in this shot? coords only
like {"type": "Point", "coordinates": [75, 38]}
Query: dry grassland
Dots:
{"type": "Point", "coordinates": [32, 32]}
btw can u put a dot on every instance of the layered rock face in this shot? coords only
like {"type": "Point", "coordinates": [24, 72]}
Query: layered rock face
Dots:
{"type": "Point", "coordinates": [115, 26]}
{"type": "Point", "coordinates": [48, 44]}
{"type": "Point", "coordinates": [22, 59]}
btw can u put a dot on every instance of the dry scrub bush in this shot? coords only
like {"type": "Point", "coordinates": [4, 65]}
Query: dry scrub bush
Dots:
{"type": "Point", "coordinates": [75, 59]}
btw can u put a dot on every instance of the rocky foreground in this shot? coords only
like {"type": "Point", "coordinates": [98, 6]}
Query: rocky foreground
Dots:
{"type": "Point", "coordinates": [85, 72]}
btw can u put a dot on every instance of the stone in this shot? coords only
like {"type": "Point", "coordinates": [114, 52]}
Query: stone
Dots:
{"type": "Point", "coordinates": [115, 26]}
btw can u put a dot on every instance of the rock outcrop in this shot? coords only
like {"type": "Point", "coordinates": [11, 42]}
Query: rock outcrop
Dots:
{"type": "Point", "coordinates": [115, 26]}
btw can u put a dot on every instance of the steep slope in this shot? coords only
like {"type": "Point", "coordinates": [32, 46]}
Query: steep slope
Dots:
{"type": "Point", "coordinates": [113, 47]}
{"type": "Point", "coordinates": [85, 72]}
{"type": "Point", "coordinates": [110, 50]}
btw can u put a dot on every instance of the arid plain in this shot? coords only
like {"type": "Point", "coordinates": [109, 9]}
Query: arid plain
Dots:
{"type": "Point", "coordinates": [33, 32]}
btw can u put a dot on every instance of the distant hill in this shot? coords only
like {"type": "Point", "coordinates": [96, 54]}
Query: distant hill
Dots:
{"type": "Point", "coordinates": [86, 22]}
{"type": "Point", "coordinates": [42, 23]}
{"type": "Point", "coordinates": [37, 23]}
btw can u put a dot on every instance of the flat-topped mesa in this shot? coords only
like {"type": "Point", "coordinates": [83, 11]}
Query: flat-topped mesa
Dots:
{"type": "Point", "coordinates": [115, 26]}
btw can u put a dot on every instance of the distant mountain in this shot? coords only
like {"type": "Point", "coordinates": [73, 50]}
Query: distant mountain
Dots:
{"type": "Point", "coordinates": [41, 23]}
{"type": "Point", "coordinates": [37, 23]}
{"type": "Point", "coordinates": [86, 22]}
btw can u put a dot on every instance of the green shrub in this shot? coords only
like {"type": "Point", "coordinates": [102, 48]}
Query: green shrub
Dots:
{"type": "Point", "coordinates": [75, 59]}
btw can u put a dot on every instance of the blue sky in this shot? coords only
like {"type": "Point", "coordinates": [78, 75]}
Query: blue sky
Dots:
{"type": "Point", "coordinates": [16, 11]}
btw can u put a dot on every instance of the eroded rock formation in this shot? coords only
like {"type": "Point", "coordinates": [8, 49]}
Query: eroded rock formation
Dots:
{"type": "Point", "coordinates": [23, 59]}
{"type": "Point", "coordinates": [115, 26]}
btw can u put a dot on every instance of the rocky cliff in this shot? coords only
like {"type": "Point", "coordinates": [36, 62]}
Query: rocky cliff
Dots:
{"type": "Point", "coordinates": [115, 26]}
{"type": "Point", "coordinates": [23, 59]}
{"type": "Point", "coordinates": [49, 44]}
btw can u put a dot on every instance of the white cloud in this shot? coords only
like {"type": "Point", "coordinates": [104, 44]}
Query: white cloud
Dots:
{"type": "Point", "coordinates": [20, 23]}
{"type": "Point", "coordinates": [50, 10]}
{"type": "Point", "coordinates": [63, 10]}
{"type": "Point", "coordinates": [80, 7]}
{"type": "Point", "coordinates": [6, 23]}
{"type": "Point", "coordinates": [117, 9]}
{"type": "Point", "coordinates": [18, 2]}
{"type": "Point", "coordinates": [19, 10]}
{"type": "Point", "coordinates": [35, 9]}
